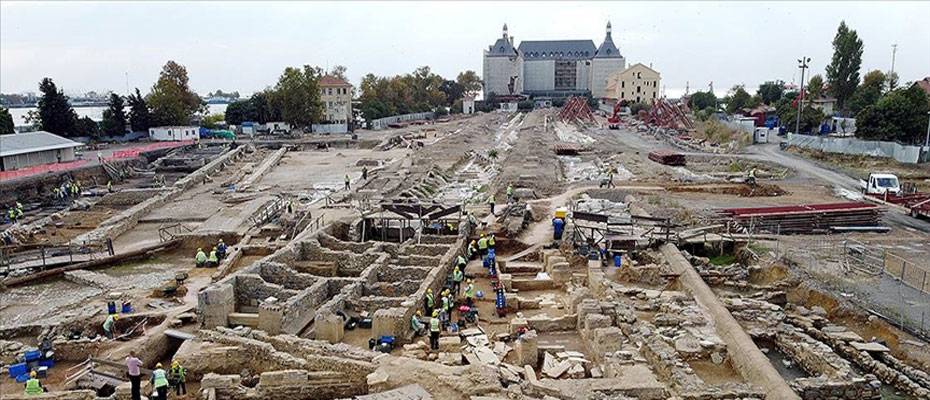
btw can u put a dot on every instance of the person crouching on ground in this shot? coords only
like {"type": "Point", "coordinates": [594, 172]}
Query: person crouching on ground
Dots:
{"type": "Point", "coordinates": [212, 260]}
{"type": "Point", "coordinates": [201, 258]}
{"type": "Point", "coordinates": [416, 324]}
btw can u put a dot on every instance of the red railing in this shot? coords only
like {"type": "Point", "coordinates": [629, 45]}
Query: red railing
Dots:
{"type": "Point", "coordinates": [131, 152]}
{"type": "Point", "coordinates": [135, 151]}
{"type": "Point", "coordinates": [41, 169]}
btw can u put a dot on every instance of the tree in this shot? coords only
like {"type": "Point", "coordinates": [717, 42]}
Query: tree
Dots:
{"type": "Point", "coordinates": [738, 100]}
{"type": "Point", "coordinates": [220, 93]}
{"type": "Point", "coordinates": [297, 95]}
{"type": "Point", "coordinates": [212, 121]}
{"type": "Point", "coordinates": [55, 113]}
{"type": "Point", "coordinates": [703, 100]}
{"type": "Point", "coordinates": [900, 115]}
{"type": "Point", "coordinates": [6, 122]}
{"type": "Point", "coordinates": [339, 71]}
{"type": "Point", "coordinates": [815, 87]}
{"type": "Point", "coordinates": [265, 109]}
{"type": "Point", "coordinates": [139, 115]}
{"type": "Point", "coordinates": [453, 90]}
{"type": "Point", "coordinates": [770, 91]}
{"type": "Point", "coordinates": [868, 93]}
{"type": "Point", "coordinates": [419, 91]}
{"type": "Point", "coordinates": [843, 70]}
{"type": "Point", "coordinates": [114, 118]}
{"type": "Point", "coordinates": [240, 111]}
{"type": "Point", "coordinates": [635, 108]}
{"type": "Point", "coordinates": [86, 127]}
{"type": "Point", "coordinates": [171, 101]}
{"type": "Point", "coordinates": [786, 109]}
{"type": "Point", "coordinates": [891, 80]}
{"type": "Point", "coordinates": [470, 81]}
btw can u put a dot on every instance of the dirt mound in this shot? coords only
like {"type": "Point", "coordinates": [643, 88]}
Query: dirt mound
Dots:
{"type": "Point", "coordinates": [741, 190]}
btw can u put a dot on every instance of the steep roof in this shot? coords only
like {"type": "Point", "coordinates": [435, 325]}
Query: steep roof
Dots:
{"type": "Point", "coordinates": [557, 49]}
{"type": "Point", "coordinates": [924, 84]}
{"type": "Point", "coordinates": [329, 80]}
{"type": "Point", "coordinates": [31, 142]}
{"type": "Point", "coordinates": [608, 49]}
{"type": "Point", "coordinates": [502, 48]}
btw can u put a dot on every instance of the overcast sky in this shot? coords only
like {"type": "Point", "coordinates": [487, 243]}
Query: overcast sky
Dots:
{"type": "Point", "coordinates": [244, 46]}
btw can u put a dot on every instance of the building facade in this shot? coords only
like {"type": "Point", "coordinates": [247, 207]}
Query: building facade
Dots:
{"type": "Point", "coordinates": [336, 95]}
{"type": "Point", "coordinates": [637, 84]}
{"type": "Point", "coordinates": [23, 150]}
{"type": "Point", "coordinates": [550, 68]}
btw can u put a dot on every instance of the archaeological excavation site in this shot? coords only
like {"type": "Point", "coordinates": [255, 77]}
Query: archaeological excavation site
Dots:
{"type": "Point", "coordinates": [546, 254]}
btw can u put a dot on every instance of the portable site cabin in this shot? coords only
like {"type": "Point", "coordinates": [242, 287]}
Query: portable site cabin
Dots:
{"type": "Point", "coordinates": [174, 133]}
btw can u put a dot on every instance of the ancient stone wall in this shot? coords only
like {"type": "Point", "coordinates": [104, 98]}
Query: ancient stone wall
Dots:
{"type": "Point", "coordinates": [252, 289]}
{"type": "Point", "coordinates": [280, 274]}
{"type": "Point", "coordinates": [300, 309]}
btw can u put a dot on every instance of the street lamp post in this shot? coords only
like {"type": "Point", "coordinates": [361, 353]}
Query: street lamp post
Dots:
{"type": "Point", "coordinates": [803, 65]}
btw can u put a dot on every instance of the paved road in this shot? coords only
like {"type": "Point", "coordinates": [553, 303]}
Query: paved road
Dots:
{"type": "Point", "coordinates": [771, 152]}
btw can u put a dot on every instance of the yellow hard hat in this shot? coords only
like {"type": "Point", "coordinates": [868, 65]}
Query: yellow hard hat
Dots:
{"type": "Point", "coordinates": [175, 363]}
{"type": "Point", "coordinates": [456, 268]}
{"type": "Point", "coordinates": [419, 313]}
{"type": "Point", "coordinates": [115, 317]}
{"type": "Point", "coordinates": [200, 249]}
{"type": "Point", "coordinates": [158, 365]}
{"type": "Point", "coordinates": [429, 290]}
{"type": "Point", "coordinates": [435, 313]}
{"type": "Point", "coordinates": [32, 374]}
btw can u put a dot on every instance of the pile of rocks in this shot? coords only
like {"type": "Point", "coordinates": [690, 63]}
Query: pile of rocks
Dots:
{"type": "Point", "coordinates": [569, 365]}
{"type": "Point", "coordinates": [852, 347]}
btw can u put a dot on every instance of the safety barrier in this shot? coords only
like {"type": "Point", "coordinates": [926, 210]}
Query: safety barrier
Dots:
{"type": "Point", "coordinates": [135, 151]}
{"type": "Point", "coordinates": [41, 169]}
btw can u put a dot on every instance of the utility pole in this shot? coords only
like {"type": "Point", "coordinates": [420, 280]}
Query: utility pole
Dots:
{"type": "Point", "coordinates": [803, 65]}
{"type": "Point", "coordinates": [894, 49]}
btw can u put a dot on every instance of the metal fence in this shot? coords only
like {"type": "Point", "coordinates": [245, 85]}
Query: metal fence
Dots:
{"type": "Point", "coordinates": [892, 285]}
{"type": "Point", "coordinates": [19, 259]}
{"type": "Point", "coordinates": [909, 272]}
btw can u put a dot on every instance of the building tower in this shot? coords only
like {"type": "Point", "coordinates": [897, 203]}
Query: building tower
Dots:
{"type": "Point", "coordinates": [502, 61]}
{"type": "Point", "coordinates": [607, 60]}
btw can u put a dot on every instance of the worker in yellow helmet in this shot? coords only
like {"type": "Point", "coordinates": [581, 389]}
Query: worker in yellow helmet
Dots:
{"type": "Point", "coordinates": [160, 382]}
{"type": "Point", "coordinates": [434, 328]}
{"type": "Point", "coordinates": [33, 386]}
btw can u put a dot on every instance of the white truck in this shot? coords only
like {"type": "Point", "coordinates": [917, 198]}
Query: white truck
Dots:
{"type": "Point", "coordinates": [881, 184]}
{"type": "Point", "coordinates": [884, 188]}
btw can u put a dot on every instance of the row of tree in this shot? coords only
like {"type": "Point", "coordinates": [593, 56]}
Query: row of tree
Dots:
{"type": "Point", "coordinates": [170, 102]}
{"type": "Point", "coordinates": [419, 91]}
{"type": "Point", "coordinates": [883, 111]}
{"type": "Point", "coordinates": [294, 99]}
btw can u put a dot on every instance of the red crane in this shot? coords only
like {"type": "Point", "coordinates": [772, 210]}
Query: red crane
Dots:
{"type": "Point", "coordinates": [613, 122]}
